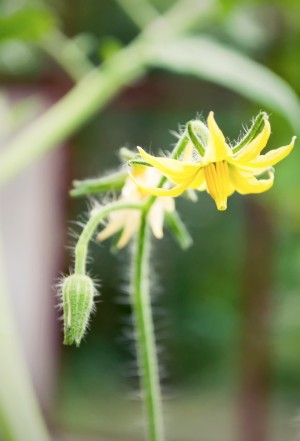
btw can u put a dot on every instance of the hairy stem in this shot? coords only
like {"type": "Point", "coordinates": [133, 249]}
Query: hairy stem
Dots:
{"type": "Point", "coordinates": [20, 416]}
{"type": "Point", "coordinates": [89, 229]}
{"type": "Point", "coordinates": [140, 296]}
{"type": "Point", "coordinates": [144, 329]}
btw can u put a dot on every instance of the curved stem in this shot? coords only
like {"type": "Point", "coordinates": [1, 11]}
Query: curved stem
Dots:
{"type": "Point", "coordinates": [145, 337]}
{"type": "Point", "coordinates": [141, 304]}
{"type": "Point", "coordinates": [89, 229]}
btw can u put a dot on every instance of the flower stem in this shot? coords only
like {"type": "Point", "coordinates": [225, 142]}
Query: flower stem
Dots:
{"type": "Point", "coordinates": [20, 416]}
{"type": "Point", "coordinates": [145, 339]}
{"type": "Point", "coordinates": [144, 328]}
{"type": "Point", "coordinates": [90, 227]}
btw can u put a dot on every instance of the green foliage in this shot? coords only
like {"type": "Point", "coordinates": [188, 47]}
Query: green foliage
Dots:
{"type": "Point", "coordinates": [26, 24]}
{"type": "Point", "coordinates": [214, 62]}
{"type": "Point", "coordinates": [109, 46]}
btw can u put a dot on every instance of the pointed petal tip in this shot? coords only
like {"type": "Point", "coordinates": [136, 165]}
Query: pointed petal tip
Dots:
{"type": "Point", "coordinates": [141, 151]}
{"type": "Point", "coordinates": [292, 143]}
{"type": "Point", "coordinates": [211, 116]}
{"type": "Point", "coordinates": [267, 123]}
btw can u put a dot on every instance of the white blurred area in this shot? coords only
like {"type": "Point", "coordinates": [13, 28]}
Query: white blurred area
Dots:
{"type": "Point", "coordinates": [32, 226]}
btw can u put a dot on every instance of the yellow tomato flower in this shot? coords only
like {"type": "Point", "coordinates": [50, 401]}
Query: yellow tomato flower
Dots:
{"type": "Point", "coordinates": [129, 220]}
{"type": "Point", "coordinates": [220, 170]}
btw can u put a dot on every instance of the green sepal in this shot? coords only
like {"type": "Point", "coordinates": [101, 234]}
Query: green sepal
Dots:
{"type": "Point", "coordinates": [178, 229]}
{"type": "Point", "coordinates": [27, 24]}
{"type": "Point", "coordinates": [139, 161]}
{"type": "Point", "coordinates": [255, 129]}
{"type": "Point", "coordinates": [198, 134]}
{"type": "Point", "coordinates": [78, 293]}
{"type": "Point", "coordinates": [114, 181]}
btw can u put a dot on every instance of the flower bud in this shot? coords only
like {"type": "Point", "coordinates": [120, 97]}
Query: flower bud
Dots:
{"type": "Point", "coordinates": [78, 294]}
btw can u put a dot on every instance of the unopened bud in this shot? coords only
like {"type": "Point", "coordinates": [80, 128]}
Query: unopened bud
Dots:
{"type": "Point", "coordinates": [78, 293]}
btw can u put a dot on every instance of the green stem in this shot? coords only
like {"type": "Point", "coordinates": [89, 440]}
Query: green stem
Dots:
{"type": "Point", "coordinates": [146, 351]}
{"type": "Point", "coordinates": [20, 416]}
{"type": "Point", "coordinates": [90, 227]}
{"type": "Point", "coordinates": [141, 304]}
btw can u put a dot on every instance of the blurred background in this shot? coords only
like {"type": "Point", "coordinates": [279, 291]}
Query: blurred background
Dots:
{"type": "Point", "coordinates": [227, 309]}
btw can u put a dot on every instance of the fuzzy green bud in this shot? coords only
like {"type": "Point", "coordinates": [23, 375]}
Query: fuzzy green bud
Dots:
{"type": "Point", "coordinates": [78, 293]}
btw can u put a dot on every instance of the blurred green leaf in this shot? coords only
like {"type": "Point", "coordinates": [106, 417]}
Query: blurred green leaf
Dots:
{"type": "Point", "coordinates": [212, 61]}
{"type": "Point", "coordinates": [109, 46]}
{"type": "Point", "coordinates": [17, 58]}
{"type": "Point", "coordinates": [26, 24]}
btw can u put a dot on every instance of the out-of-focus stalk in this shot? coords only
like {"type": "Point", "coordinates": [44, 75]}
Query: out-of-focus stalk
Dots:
{"type": "Point", "coordinates": [20, 416]}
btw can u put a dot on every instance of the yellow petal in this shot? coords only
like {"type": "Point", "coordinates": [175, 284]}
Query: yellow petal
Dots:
{"type": "Point", "coordinates": [246, 183]}
{"type": "Point", "coordinates": [177, 171]}
{"type": "Point", "coordinates": [253, 149]}
{"type": "Point", "coordinates": [273, 157]}
{"type": "Point", "coordinates": [188, 152]}
{"type": "Point", "coordinates": [217, 148]}
{"type": "Point", "coordinates": [173, 192]}
{"type": "Point", "coordinates": [198, 180]}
